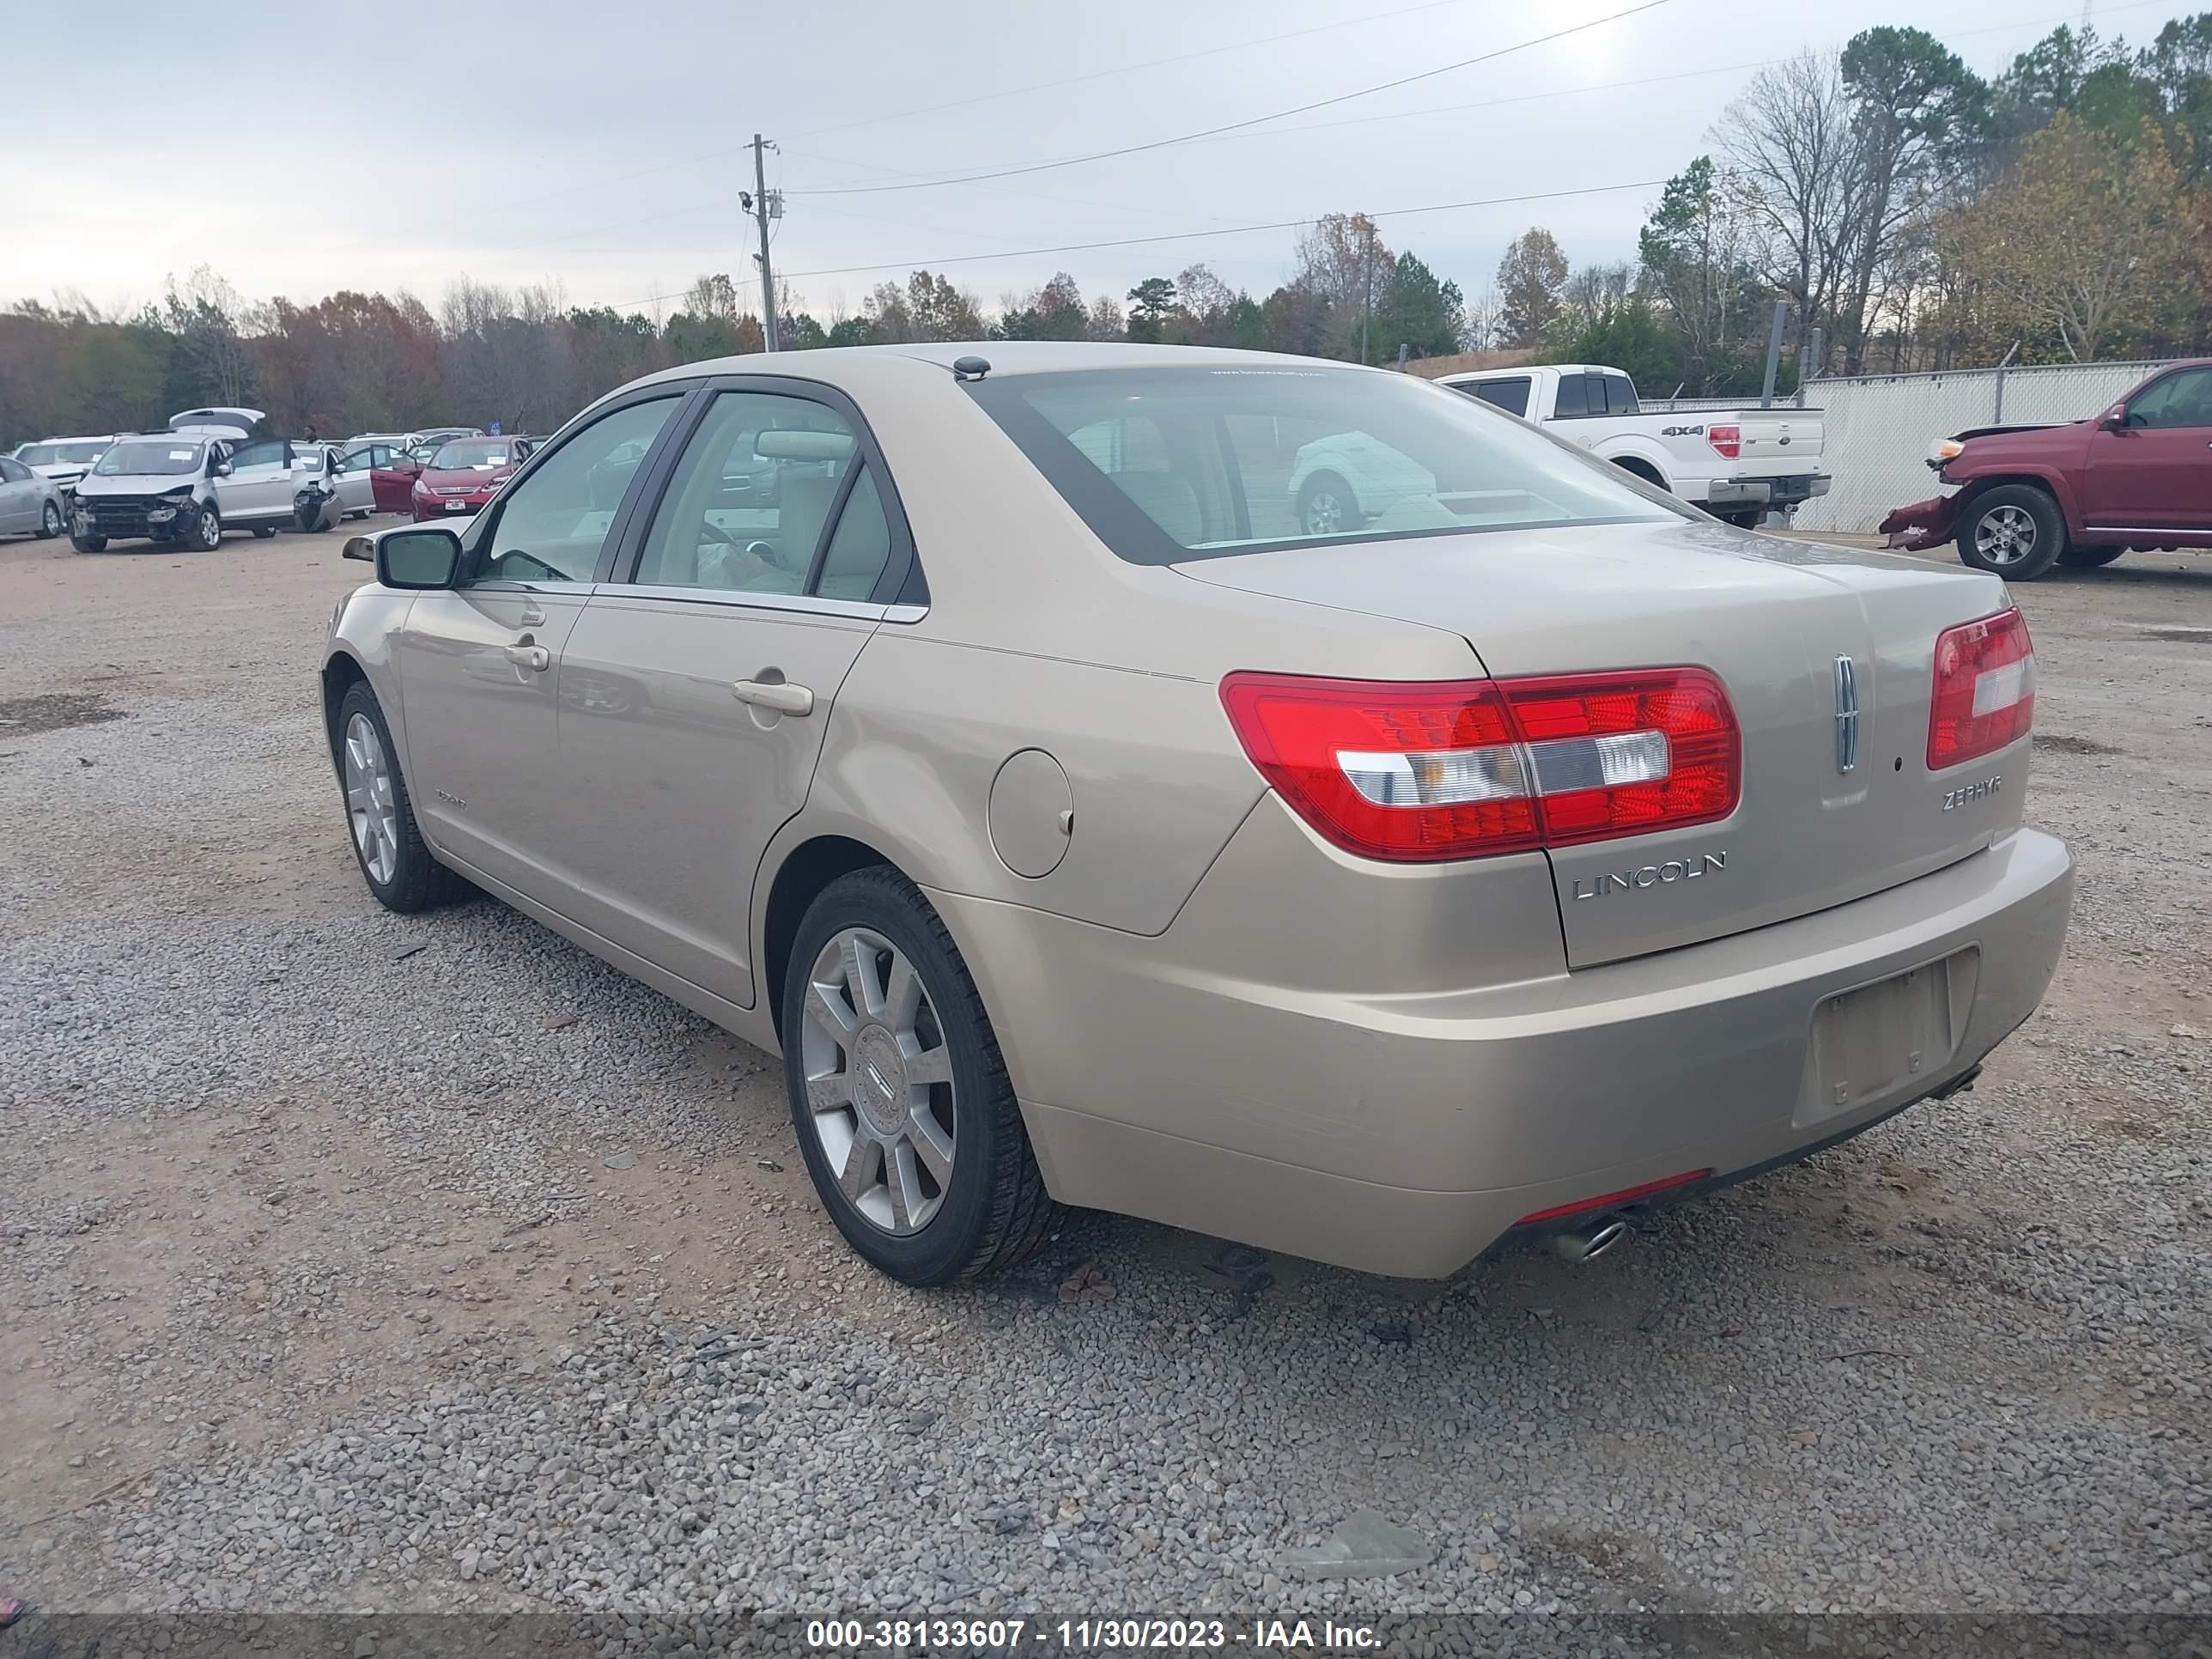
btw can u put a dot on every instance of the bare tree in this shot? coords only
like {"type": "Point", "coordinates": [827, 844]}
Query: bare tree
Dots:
{"type": "Point", "coordinates": [1791, 143]}
{"type": "Point", "coordinates": [1592, 292]}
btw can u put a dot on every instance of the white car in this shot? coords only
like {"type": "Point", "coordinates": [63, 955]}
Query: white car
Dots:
{"type": "Point", "coordinates": [62, 461]}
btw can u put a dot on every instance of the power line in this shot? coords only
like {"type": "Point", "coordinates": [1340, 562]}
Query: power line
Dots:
{"type": "Point", "coordinates": [1195, 235]}
{"type": "Point", "coordinates": [988, 97]}
{"type": "Point", "coordinates": [1253, 121]}
{"type": "Point", "coordinates": [1129, 69]}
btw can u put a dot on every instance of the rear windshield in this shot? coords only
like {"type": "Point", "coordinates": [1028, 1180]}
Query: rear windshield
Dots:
{"type": "Point", "coordinates": [465, 452]}
{"type": "Point", "coordinates": [1168, 464]}
{"type": "Point", "coordinates": [164, 457]}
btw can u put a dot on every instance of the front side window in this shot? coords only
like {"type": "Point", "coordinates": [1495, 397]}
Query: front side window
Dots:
{"type": "Point", "coordinates": [2180, 399]}
{"type": "Point", "coordinates": [749, 506]}
{"type": "Point", "coordinates": [262, 451]}
{"type": "Point", "coordinates": [553, 524]}
{"type": "Point", "coordinates": [1202, 462]}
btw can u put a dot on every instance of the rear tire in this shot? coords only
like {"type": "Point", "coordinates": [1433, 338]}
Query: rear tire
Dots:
{"type": "Point", "coordinates": [1327, 507]}
{"type": "Point", "coordinates": [2089, 558]}
{"type": "Point", "coordinates": [2013, 530]}
{"type": "Point", "coordinates": [981, 1201]}
{"type": "Point", "coordinates": [50, 522]}
{"type": "Point", "coordinates": [399, 868]}
{"type": "Point", "coordinates": [263, 532]}
{"type": "Point", "coordinates": [1743, 517]}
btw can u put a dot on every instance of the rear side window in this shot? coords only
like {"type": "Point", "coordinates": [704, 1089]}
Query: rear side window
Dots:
{"type": "Point", "coordinates": [1619, 395]}
{"type": "Point", "coordinates": [1573, 401]}
{"type": "Point", "coordinates": [1511, 396]}
{"type": "Point", "coordinates": [1167, 465]}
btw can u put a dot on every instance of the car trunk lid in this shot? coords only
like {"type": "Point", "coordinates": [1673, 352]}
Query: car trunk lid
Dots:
{"type": "Point", "coordinates": [1776, 620]}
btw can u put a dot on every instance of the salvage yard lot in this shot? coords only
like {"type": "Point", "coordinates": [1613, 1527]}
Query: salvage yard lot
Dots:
{"type": "Point", "coordinates": [352, 1260]}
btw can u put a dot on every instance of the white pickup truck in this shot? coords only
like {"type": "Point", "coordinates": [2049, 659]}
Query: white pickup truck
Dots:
{"type": "Point", "coordinates": [1737, 464]}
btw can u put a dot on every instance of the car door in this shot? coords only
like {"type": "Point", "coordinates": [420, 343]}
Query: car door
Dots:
{"type": "Point", "coordinates": [480, 665]}
{"type": "Point", "coordinates": [2154, 473]}
{"type": "Point", "coordinates": [695, 691]}
{"type": "Point", "coordinates": [19, 497]}
{"type": "Point", "coordinates": [259, 483]}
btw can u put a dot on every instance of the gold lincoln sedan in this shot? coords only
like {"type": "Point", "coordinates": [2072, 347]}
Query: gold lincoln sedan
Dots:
{"type": "Point", "coordinates": [985, 729]}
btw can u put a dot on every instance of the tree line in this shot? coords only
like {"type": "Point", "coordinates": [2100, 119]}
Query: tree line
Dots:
{"type": "Point", "coordinates": [1917, 215]}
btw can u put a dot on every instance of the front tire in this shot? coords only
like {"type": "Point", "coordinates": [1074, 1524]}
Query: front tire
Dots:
{"type": "Point", "coordinates": [2013, 530]}
{"type": "Point", "coordinates": [205, 534]}
{"type": "Point", "coordinates": [50, 522]}
{"type": "Point", "coordinates": [1327, 507]}
{"type": "Point", "coordinates": [87, 544]}
{"type": "Point", "coordinates": [399, 867]}
{"type": "Point", "coordinates": [2089, 558]}
{"type": "Point", "coordinates": [899, 1095]}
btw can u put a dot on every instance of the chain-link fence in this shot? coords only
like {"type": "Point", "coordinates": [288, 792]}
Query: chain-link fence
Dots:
{"type": "Point", "coordinates": [1878, 427]}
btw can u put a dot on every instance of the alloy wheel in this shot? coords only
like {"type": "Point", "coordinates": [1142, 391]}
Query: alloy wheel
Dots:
{"type": "Point", "coordinates": [210, 529]}
{"type": "Point", "coordinates": [2006, 535]}
{"type": "Point", "coordinates": [50, 521]}
{"type": "Point", "coordinates": [1324, 514]}
{"type": "Point", "coordinates": [880, 1089]}
{"type": "Point", "coordinates": [370, 804]}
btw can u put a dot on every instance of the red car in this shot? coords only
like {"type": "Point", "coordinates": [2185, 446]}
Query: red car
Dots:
{"type": "Point", "coordinates": [392, 471]}
{"type": "Point", "coordinates": [2138, 477]}
{"type": "Point", "coordinates": [464, 476]}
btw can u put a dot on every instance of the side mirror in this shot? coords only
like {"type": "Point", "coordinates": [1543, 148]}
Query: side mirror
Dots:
{"type": "Point", "coordinates": [2114, 419]}
{"type": "Point", "coordinates": [417, 559]}
{"type": "Point", "coordinates": [360, 547]}
{"type": "Point", "coordinates": [220, 469]}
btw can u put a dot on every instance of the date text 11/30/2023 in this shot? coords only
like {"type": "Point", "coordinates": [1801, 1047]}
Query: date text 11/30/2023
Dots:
{"type": "Point", "coordinates": [1088, 1634]}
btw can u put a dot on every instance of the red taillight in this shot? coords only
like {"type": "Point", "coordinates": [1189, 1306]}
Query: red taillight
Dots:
{"type": "Point", "coordinates": [1613, 1200]}
{"type": "Point", "coordinates": [1985, 694]}
{"type": "Point", "coordinates": [1727, 441]}
{"type": "Point", "coordinates": [1419, 771]}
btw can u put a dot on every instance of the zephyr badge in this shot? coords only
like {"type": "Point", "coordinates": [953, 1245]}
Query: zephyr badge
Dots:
{"type": "Point", "coordinates": [1847, 715]}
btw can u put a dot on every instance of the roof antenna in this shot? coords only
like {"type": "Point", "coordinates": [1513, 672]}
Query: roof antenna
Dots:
{"type": "Point", "coordinates": [969, 368]}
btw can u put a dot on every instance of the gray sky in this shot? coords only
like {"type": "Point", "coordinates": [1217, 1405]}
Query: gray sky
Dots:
{"type": "Point", "coordinates": [600, 146]}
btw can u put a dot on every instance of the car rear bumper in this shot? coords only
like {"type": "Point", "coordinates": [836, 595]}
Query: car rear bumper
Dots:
{"type": "Point", "coordinates": [1403, 1133]}
{"type": "Point", "coordinates": [1766, 492]}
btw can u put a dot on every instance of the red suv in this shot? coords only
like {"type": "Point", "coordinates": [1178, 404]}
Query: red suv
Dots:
{"type": "Point", "coordinates": [2138, 475]}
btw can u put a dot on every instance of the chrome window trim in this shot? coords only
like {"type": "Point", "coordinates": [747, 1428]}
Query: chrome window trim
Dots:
{"type": "Point", "coordinates": [800, 603]}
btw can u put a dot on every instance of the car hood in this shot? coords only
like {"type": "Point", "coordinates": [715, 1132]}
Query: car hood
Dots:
{"type": "Point", "coordinates": [1985, 447]}
{"type": "Point", "coordinates": [475, 477]}
{"type": "Point", "coordinates": [136, 483]}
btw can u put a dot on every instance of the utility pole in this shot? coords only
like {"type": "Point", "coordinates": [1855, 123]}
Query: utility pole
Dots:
{"type": "Point", "coordinates": [1366, 290]}
{"type": "Point", "coordinates": [763, 210]}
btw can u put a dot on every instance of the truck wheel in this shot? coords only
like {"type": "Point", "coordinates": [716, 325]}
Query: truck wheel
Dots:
{"type": "Point", "coordinates": [50, 523]}
{"type": "Point", "coordinates": [87, 544]}
{"type": "Point", "coordinates": [2013, 530]}
{"type": "Point", "coordinates": [1327, 507]}
{"type": "Point", "coordinates": [1743, 517]}
{"type": "Point", "coordinates": [2089, 558]}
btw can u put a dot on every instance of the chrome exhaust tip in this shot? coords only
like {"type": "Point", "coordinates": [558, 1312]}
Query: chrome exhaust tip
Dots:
{"type": "Point", "coordinates": [1587, 1243]}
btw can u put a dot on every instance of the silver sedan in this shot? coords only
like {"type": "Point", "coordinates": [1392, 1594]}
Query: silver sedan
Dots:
{"type": "Point", "coordinates": [1085, 825]}
{"type": "Point", "coordinates": [30, 503]}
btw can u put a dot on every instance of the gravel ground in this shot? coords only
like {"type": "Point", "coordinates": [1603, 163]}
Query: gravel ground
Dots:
{"type": "Point", "coordinates": [355, 1261]}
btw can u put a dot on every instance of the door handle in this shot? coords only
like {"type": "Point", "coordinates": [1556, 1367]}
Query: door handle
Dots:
{"type": "Point", "coordinates": [779, 695]}
{"type": "Point", "coordinates": [536, 658]}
